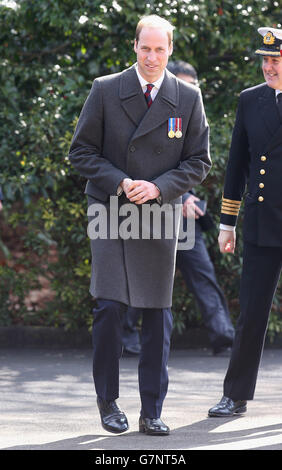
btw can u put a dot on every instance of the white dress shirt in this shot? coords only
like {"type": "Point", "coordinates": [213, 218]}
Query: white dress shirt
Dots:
{"type": "Point", "coordinates": [277, 93]}
{"type": "Point", "coordinates": [157, 84]}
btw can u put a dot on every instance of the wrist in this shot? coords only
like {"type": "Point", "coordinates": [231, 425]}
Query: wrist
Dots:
{"type": "Point", "coordinates": [228, 228]}
{"type": "Point", "coordinates": [158, 190]}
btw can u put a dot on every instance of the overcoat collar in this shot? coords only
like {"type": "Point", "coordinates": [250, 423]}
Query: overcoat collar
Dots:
{"type": "Point", "coordinates": [135, 106]}
{"type": "Point", "coordinates": [270, 114]}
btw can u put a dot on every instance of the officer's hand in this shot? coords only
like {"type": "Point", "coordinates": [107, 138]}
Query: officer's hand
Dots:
{"type": "Point", "coordinates": [227, 241]}
{"type": "Point", "coordinates": [1, 206]}
{"type": "Point", "coordinates": [142, 191]}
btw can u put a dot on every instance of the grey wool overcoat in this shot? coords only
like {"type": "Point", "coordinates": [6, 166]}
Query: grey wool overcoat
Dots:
{"type": "Point", "coordinates": [118, 137]}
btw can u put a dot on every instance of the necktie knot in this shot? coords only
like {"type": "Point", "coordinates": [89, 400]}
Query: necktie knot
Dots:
{"type": "Point", "coordinates": [148, 94]}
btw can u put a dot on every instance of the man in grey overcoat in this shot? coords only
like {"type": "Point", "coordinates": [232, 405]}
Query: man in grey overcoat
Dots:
{"type": "Point", "coordinates": [142, 140]}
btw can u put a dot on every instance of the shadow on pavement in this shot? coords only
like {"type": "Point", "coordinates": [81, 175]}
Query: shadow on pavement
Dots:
{"type": "Point", "coordinates": [203, 433]}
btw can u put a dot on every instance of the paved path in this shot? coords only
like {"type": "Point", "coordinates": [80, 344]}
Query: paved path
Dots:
{"type": "Point", "coordinates": [48, 403]}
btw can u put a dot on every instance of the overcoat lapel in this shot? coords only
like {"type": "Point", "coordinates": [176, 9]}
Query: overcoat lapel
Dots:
{"type": "Point", "coordinates": [134, 103]}
{"type": "Point", "coordinates": [131, 95]}
{"type": "Point", "coordinates": [162, 108]}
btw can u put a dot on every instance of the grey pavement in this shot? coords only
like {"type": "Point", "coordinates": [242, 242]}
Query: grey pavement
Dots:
{"type": "Point", "coordinates": [48, 403]}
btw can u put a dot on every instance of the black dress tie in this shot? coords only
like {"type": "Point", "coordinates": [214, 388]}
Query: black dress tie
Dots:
{"type": "Point", "coordinates": [279, 104]}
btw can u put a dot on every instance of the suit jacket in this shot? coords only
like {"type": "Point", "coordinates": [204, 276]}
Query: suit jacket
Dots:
{"type": "Point", "coordinates": [255, 160]}
{"type": "Point", "coordinates": [116, 137]}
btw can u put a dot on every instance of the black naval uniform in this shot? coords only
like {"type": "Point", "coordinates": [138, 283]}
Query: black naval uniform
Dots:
{"type": "Point", "coordinates": [256, 160]}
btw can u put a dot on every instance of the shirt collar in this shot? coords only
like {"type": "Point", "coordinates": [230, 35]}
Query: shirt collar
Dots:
{"type": "Point", "coordinates": [277, 92]}
{"type": "Point", "coordinates": [143, 82]}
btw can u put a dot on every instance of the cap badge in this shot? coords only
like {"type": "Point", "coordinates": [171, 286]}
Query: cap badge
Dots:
{"type": "Point", "coordinates": [269, 38]}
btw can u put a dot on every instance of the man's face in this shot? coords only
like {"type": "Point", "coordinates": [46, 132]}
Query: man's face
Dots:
{"type": "Point", "coordinates": [153, 52]}
{"type": "Point", "coordinates": [272, 71]}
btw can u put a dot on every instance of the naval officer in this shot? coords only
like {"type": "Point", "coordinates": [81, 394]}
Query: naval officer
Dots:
{"type": "Point", "coordinates": [142, 137]}
{"type": "Point", "coordinates": [255, 160]}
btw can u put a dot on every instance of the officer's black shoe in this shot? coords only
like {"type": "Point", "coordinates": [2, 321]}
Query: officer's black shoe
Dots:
{"type": "Point", "coordinates": [112, 418]}
{"type": "Point", "coordinates": [227, 407]}
{"type": "Point", "coordinates": [153, 426]}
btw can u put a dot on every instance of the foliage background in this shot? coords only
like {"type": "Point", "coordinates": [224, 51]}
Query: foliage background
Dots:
{"type": "Point", "coordinates": [50, 53]}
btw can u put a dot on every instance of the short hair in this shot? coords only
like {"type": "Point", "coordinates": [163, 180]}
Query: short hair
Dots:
{"type": "Point", "coordinates": [180, 67]}
{"type": "Point", "coordinates": [155, 21]}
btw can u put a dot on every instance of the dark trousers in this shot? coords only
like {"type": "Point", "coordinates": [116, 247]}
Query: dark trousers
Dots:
{"type": "Point", "coordinates": [260, 276]}
{"type": "Point", "coordinates": [198, 272]}
{"type": "Point", "coordinates": [130, 332]}
{"type": "Point", "coordinates": [107, 349]}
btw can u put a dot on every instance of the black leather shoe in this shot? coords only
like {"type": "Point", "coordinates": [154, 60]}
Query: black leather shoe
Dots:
{"type": "Point", "coordinates": [227, 407]}
{"type": "Point", "coordinates": [112, 418]}
{"type": "Point", "coordinates": [153, 426]}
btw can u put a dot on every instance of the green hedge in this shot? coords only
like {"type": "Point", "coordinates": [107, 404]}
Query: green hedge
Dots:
{"type": "Point", "coordinates": [50, 53]}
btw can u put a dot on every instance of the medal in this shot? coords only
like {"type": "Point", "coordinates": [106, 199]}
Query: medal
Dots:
{"type": "Point", "coordinates": [178, 133]}
{"type": "Point", "coordinates": [171, 128]}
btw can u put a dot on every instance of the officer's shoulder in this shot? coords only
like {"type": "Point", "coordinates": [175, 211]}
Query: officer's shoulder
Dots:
{"type": "Point", "coordinates": [253, 91]}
